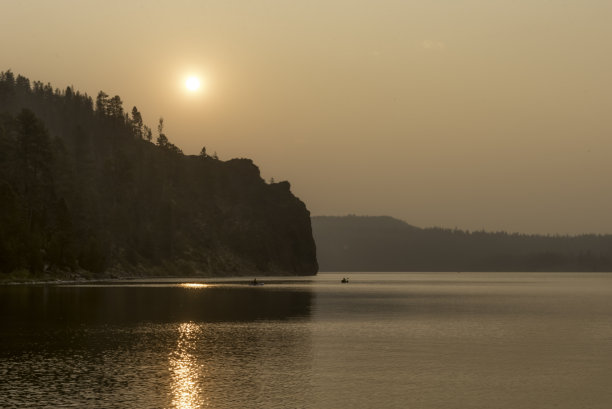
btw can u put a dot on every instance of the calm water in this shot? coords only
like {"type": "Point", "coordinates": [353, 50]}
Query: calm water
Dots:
{"type": "Point", "coordinates": [382, 341]}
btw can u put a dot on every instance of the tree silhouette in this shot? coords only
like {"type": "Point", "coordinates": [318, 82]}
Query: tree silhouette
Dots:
{"type": "Point", "coordinates": [137, 123]}
{"type": "Point", "coordinates": [102, 103]}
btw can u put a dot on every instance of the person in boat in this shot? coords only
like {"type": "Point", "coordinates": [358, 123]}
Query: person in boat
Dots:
{"type": "Point", "coordinates": [254, 281]}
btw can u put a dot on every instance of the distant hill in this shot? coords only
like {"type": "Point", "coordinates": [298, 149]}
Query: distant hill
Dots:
{"type": "Point", "coordinates": [363, 243]}
{"type": "Point", "coordinates": [85, 188]}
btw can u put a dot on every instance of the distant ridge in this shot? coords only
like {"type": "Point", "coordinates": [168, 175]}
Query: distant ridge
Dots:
{"type": "Point", "coordinates": [382, 243]}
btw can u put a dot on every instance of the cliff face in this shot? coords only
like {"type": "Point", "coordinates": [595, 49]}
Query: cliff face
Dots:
{"type": "Point", "coordinates": [260, 227]}
{"type": "Point", "coordinates": [87, 189]}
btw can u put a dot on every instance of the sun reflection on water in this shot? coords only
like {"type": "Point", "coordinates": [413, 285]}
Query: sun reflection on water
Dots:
{"type": "Point", "coordinates": [185, 369]}
{"type": "Point", "coordinates": [194, 285]}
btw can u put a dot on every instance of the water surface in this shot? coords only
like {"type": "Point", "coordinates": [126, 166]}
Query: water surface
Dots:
{"type": "Point", "coordinates": [402, 340]}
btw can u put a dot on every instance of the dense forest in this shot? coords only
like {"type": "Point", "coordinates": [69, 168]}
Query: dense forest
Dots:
{"type": "Point", "coordinates": [359, 243]}
{"type": "Point", "coordinates": [86, 189]}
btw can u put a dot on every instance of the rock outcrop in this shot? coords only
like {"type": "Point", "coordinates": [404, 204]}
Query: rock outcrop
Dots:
{"type": "Point", "coordinates": [85, 190]}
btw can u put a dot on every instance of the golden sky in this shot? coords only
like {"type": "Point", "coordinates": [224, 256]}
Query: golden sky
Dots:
{"type": "Point", "coordinates": [473, 114]}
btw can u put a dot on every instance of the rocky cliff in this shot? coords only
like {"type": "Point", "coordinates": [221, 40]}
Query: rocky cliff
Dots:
{"type": "Point", "coordinates": [86, 188]}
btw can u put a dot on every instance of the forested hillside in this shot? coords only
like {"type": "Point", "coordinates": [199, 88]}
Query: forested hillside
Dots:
{"type": "Point", "coordinates": [360, 243]}
{"type": "Point", "coordinates": [86, 187]}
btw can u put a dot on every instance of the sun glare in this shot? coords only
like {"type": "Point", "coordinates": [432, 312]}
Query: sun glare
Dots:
{"type": "Point", "coordinates": [192, 84]}
{"type": "Point", "coordinates": [193, 285]}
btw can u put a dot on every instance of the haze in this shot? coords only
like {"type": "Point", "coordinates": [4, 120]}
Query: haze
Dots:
{"type": "Point", "coordinates": [464, 113]}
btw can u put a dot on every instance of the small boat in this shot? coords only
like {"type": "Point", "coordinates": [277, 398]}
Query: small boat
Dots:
{"type": "Point", "coordinates": [255, 282]}
{"type": "Point", "coordinates": [344, 280]}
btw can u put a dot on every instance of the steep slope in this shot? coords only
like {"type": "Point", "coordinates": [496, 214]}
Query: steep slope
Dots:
{"type": "Point", "coordinates": [84, 188]}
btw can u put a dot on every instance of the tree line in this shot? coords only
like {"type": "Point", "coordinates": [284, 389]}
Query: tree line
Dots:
{"type": "Point", "coordinates": [362, 243]}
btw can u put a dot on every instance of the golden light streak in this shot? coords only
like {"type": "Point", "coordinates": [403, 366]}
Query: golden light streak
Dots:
{"type": "Point", "coordinates": [194, 285]}
{"type": "Point", "coordinates": [185, 370]}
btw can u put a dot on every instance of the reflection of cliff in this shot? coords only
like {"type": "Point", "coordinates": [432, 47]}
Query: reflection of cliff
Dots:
{"type": "Point", "coordinates": [132, 304]}
{"type": "Point", "coordinates": [156, 347]}
{"type": "Point", "coordinates": [87, 190]}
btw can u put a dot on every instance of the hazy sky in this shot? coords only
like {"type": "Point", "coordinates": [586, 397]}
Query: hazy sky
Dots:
{"type": "Point", "coordinates": [473, 114]}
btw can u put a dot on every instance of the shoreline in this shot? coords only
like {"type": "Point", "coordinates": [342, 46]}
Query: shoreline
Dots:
{"type": "Point", "coordinates": [54, 280]}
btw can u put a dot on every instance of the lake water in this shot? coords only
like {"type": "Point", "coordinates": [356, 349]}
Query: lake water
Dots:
{"type": "Point", "coordinates": [402, 340]}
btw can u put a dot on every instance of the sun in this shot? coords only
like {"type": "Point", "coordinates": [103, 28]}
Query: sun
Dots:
{"type": "Point", "coordinates": [192, 83]}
